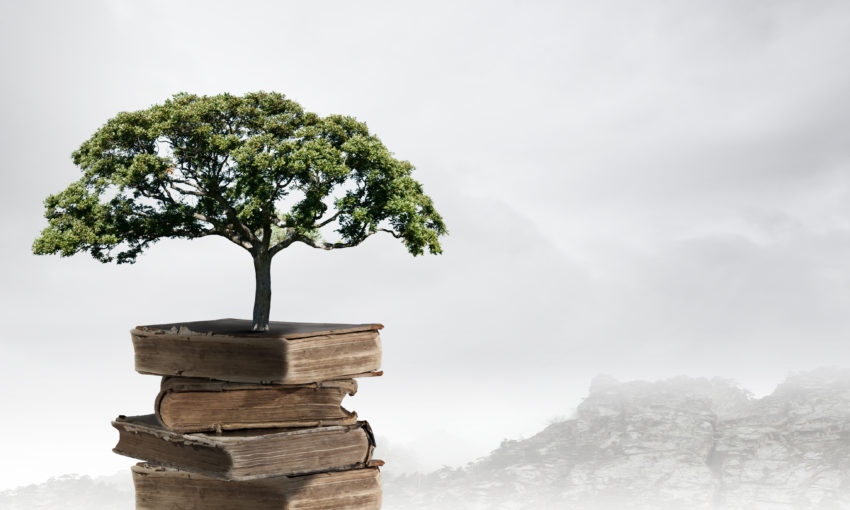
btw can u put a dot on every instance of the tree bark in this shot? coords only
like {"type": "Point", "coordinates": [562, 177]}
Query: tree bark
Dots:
{"type": "Point", "coordinates": [263, 294]}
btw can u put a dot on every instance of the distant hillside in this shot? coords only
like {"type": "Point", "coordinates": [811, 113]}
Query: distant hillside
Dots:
{"type": "Point", "coordinates": [676, 444]}
{"type": "Point", "coordinates": [73, 492]}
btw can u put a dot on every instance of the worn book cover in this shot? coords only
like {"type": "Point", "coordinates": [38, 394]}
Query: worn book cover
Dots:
{"type": "Point", "coordinates": [203, 405]}
{"type": "Point", "coordinates": [288, 353]}
{"type": "Point", "coordinates": [247, 454]}
{"type": "Point", "coordinates": [160, 488]}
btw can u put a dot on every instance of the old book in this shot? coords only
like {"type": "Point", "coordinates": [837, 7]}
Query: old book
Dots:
{"type": "Point", "coordinates": [289, 353]}
{"type": "Point", "coordinates": [247, 454]}
{"type": "Point", "coordinates": [159, 488]}
{"type": "Point", "coordinates": [201, 405]}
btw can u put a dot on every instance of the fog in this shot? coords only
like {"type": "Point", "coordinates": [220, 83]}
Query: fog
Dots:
{"type": "Point", "coordinates": [637, 190]}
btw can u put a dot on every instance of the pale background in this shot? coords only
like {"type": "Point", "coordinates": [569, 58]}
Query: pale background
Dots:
{"type": "Point", "coordinates": [642, 189]}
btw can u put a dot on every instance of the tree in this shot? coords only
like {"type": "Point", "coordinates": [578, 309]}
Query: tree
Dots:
{"type": "Point", "coordinates": [257, 170]}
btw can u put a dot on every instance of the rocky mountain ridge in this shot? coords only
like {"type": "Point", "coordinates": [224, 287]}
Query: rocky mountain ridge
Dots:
{"type": "Point", "coordinates": [681, 443]}
{"type": "Point", "coordinates": [73, 492]}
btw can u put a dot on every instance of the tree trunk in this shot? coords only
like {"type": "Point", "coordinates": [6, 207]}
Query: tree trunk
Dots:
{"type": "Point", "coordinates": [263, 294]}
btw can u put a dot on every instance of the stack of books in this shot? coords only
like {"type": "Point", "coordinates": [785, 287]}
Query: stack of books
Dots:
{"type": "Point", "coordinates": [253, 421]}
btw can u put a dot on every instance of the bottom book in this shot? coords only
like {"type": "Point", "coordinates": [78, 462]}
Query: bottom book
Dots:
{"type": "Point", "coordinates": [160, 488]}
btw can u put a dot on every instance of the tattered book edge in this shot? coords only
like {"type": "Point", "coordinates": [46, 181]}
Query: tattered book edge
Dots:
{"type": "Point", "coordinates": [373, 373]}
{"type": "Point", "coordinates": [180, 330]}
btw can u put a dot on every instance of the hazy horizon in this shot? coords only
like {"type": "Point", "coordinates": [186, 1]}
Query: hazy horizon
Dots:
{"type": "Point", "coordinates": [640, 190]}
{"type": "Point", "coordinates": [446, 451]}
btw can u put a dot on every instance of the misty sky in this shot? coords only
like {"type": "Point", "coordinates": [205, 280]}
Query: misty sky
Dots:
{"type": "Point", "coordinates": [641, 189]}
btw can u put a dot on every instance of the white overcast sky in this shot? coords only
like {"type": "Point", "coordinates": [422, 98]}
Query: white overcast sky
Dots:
{"type": "Point", "coordinates": [641, 189]}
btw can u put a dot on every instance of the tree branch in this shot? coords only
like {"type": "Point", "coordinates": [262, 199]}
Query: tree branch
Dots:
{"type": "Point", "coordinates": [220, 230]}
{"type": "Point", "coordinates": [391, 232]}
{"type": "Point", "coordinates": [218, 227]}
{"type": "Point", "coordinates": [322, 245]}
{"type": "Point", "coordinates": [246, 236]}
{"type": "Point", "coordinates": [329, 220]}
{"type": "Point", "coordinates": [189, 192]}
{"type": "Point", "coordinates": [331, 246]}
{"type": "Point", "coordinates": [280, 246]}
{"type": "Point", "coordinates": [196, 189]}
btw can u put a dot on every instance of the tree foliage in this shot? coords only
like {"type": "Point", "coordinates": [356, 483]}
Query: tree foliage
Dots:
{"type": "Point", "coordinates": [198, 166]}
{"type": "Point", "coordinates": [257, 170]}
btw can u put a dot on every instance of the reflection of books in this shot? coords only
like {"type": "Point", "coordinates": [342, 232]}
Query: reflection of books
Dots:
{"type": "Point", "coordinates": [247, 454]}
{"type": "Point", "coordinates": [158, 488]}
{"type": "Point", "coordinates": [289, 353]}
{"type": "Point", "coordinates": [201, 405]}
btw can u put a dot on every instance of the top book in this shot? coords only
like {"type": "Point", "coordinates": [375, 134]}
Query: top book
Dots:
{"type": "Point", "coordinates": [288, 353]}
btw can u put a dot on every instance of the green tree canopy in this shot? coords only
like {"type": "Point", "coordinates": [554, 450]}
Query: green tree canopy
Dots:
{"type": "Point", "coordinates": [257, 170]}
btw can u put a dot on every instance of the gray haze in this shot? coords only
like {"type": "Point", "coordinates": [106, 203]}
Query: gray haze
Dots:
{"type": "Point", "coordinates": [639, 189]}
{"type": "Point", "coordinates": [680, 443]}
{"type": "Point", "coordinates": [677, 444]}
